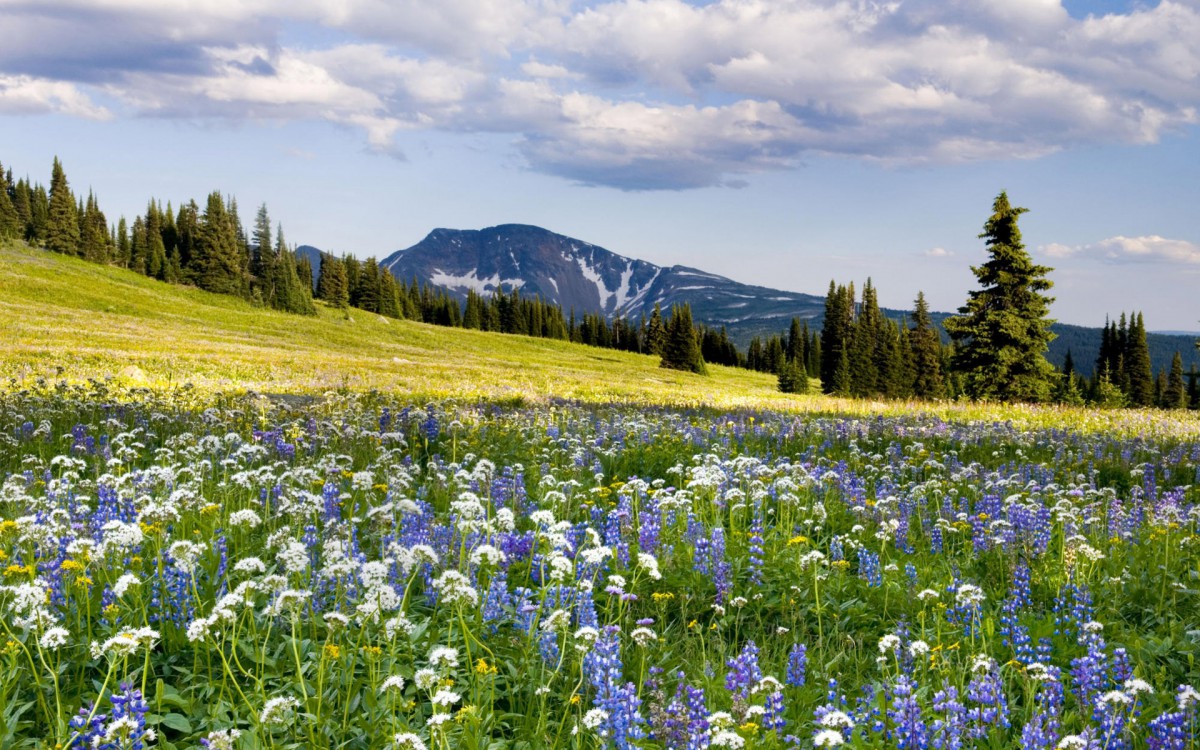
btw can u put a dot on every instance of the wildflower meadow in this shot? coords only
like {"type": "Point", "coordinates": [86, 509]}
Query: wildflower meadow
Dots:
{"type": "Point", "coordinates": [354, 571]}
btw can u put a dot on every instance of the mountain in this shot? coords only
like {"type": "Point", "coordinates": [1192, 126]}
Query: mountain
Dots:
{"type": "Point", "coordinates": [588, 278]}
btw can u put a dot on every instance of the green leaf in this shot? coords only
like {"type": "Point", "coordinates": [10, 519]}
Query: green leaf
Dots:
{"type": "Point", "coordinates": [178, 722]}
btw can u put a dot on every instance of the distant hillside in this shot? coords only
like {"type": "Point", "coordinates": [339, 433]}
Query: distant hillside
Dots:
{"type": "Point", "coordinates": [65, 317]}
{"type": "Point", "coordinates": [578, 275]}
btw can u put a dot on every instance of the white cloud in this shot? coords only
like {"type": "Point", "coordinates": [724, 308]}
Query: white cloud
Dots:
{"type": "Point", "coordinates": [1147, 249]}
{"type": "Point", "coordinates": [22, 95]}
{"type": "Point", "coordinates": [633, 93]}
{"type": "Point", "coordinates": [938, 252]}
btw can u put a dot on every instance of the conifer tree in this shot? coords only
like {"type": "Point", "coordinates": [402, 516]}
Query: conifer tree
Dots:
{"type": "Point", "coordinates": [263, 258]}
{"type": "Point", "coordinates": [187, 227]}
{"type": "Point", "coordinates": [156, 252]}
{"type": "Point", "coordinates": [22, 200]}
{"type": "Point", "coordinates": [836, 333]}
{"type": "Point", "coordinates": [1175, 394]}
{"type": "Point", "coordinates": [10, 222]}
{"type": "Point", "coordinates": [681, 350]}
{"type": "Point", "coordinates": [366, 295]}
{"type": "Point", "coordinates": [1003, 330]}
{"type": "Point", "coordinates": [293, 292]}
{"type": "Point", "coordinates": [656, 332]}
{"type": "Point", "coordinates": [928, 382]}
{"type": "Point", "coordinates": [62, 221]}
{"type": "Point", "coordinates": [792, 377]}
{"type": "Point", "coordinates": [389, 297]}
{"type": "Point", "coordinates": [217, 261]}
{"type": "Point", "coordinates": [1137, 371]}
{"type": "Point", "coordinates": [332, 284]}
{"type": "Point", "coordinates": [122, 243]}
{"type": "Point", "coordinates": [796, 342]}
{"type": "Point", "coordinates": [93, 232]}
{"type": "Point", "coordinates": [1067, 390]}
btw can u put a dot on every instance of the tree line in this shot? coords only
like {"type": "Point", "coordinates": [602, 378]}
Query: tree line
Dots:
{"type": "Point", "coordinates": [997, 343]}
{"type": "Point", "coordinates": [204, 247]}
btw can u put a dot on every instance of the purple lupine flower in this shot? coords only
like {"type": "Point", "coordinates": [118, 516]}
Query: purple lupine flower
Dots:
{"type": "Point", "coordinates": [797, 665]}
{"type": "Point", "coordinates": [773, 716]}
{"type": "Point", "coordinates": [910, 730]}
{"type": "Point", "coordinates": [949, 727]}
{"type": "Point", "coordinates": [986, 692]}
{"type": "Point", "coordinates": [744, 672]}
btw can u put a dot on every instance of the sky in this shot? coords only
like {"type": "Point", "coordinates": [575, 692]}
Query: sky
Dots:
{"type": "Point", "coordinates": [777, 142]}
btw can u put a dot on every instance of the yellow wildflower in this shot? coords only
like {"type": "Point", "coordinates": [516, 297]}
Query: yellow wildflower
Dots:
{"type": "Point", "coordinates": [483, 668]}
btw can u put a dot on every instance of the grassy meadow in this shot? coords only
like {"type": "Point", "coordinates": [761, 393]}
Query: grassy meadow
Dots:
{"type": "Point", "coordinates": [437, 538]}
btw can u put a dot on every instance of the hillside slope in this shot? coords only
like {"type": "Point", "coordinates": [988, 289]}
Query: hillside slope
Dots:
{"type": "Point", "coordinates": [68, 318]}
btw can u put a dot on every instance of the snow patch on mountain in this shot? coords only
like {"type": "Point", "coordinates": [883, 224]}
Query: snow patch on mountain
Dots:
{"type": "Point", "coordinates": [485, 285]}
{"type": "Point", "coordinates": [591, 275]}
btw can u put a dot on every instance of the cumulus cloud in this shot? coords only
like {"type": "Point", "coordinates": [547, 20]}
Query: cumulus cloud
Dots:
{"type": "Point", "coordinates": [637, 94]}
{"type": "Point", "coordinates": [1148, 249]}
{"type": "Point", "coordinates": [21, 95]}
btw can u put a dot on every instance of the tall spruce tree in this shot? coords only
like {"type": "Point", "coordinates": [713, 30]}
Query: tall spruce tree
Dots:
{"type": "Point", "coordinates": [1138, 376]}
{"type": "Point", "coordinates": [1003, 331]}
{"type": "Point", "coordinates": [218, 258]}
{"type": "Point", "coordinates": [656, 332]}
{"type": "Point", "coordinates": [836, 332]}
{"type": "Point", "coordinates": [1175, 395]}
{"type": "Point", "coordinates": [928, 382]}
{"type": "Point", "coordinates": [62, 221]}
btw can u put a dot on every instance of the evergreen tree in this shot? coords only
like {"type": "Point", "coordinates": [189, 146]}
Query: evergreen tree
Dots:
{"type": "Point", "coordinates": [93, 232]}
{"type": "Point", "coordinates": [681, 350]}
{"type": "Point", "coordinates": [864, 336]}
{"type": "Point", "coordinates": [22, 200]}
{"type": "Point", "coordinates": [156, 252]}
{"type": "Point", "coordinates": [1138, 374]}
{"type": "Point", "coordinates": [389, 295]}
{"type": "Point", "coordinates": [1175, 394]}
{"type": "Point", "coordinates": [792, 377]}
{"type": "Point", "coordinates": [332, 285]}
{"type": "Point", "coordinates": [656, 332]}
{"type": "Point", "coordinates": [263, 258]}
{"type": "Point", "coordinates": [62, 221]}
{"type": "Point", "coordinates": [366, 295]}
{"type": "Point", "coordinates": [122, 242]}
{"type": "Point", "coordinates": [928, 382]}
{"type": "Point", "coordinates": [796, 342]}
{"type": "Point", "coordinates": [39, 220]}
{"type": "Point", "coordinates": [138, 246]}
{"type": "Point", "coordinates": [836, 332]}
{"type": "Point", "coordinates": [10, 222]}
{"type": "Point", "coordinates": [1067, 390]}
{"type": "Point", "coordinates": [187, 227]}
{"type": "Point", "coordinates": [1003, 331]}
{"type": "Point", "coordinates": [218, 261]}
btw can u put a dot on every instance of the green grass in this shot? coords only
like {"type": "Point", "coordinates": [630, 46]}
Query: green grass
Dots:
{"type": "Point", "coordinates": [70, 319]}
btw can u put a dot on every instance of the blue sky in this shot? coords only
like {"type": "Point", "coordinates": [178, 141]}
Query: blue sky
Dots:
{"type": "Point", "coordinates": [779, 143]}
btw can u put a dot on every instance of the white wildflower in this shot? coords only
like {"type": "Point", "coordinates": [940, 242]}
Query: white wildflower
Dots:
{"type": "Point", "coordinates": [277, 710]}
